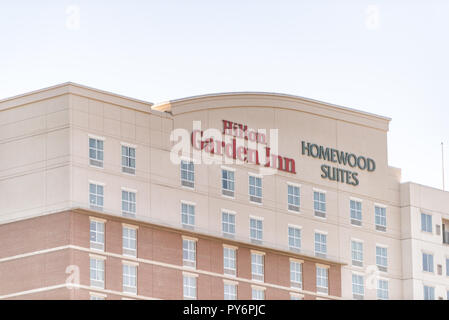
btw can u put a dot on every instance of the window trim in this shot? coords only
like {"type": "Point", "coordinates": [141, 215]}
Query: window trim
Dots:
{"type": "Point", "coordinates": [255, 175]}
{"type": "Point", "coordinates": [95, 137]}
{"type": "Point", "coordinates": [296, 185]}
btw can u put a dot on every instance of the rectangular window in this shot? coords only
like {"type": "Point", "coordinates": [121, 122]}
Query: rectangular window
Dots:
{"type": "Point", "coordinates": [229, 261]}
{"type": "Point", "coordinates": [295, 297]}
{"type": "Point", "coordinates": [189, 287]}
{"type": "Point", "coordinates": [293, 198]}
{"type": "Point", "coordinates": [96, 196]}
{"type": "Point", "coordinates": [96, 152]}
{"type": "Point", "coordinates": [296, 274]}
{"type": "Point", "coordinates": [97, 273]}
{"type": "Point", "coordinates": [380, 218]}
{"type": "Point", "coordinates": [256, 230]}
{"type": "Point", "coordinates": [426, 222]}
{"type": "Point", "coordinates": [294, 238]}
{"type": "Point", "coordinates": [188, 215]}
{"type": "Point", "coordinates": [128, 203]}
{"type": "Point", "coordinates": [129, 241]}
{"type": "Point", "coordinates": [357, 253]}
{"type": "Point", "coordinates": [319, 204]}
{"type": "Point", "coordinates": [382, 289]}
{"type": "Point", "coordinates": [382, 258]}
{"type": "Point", "coordinates": [230, 291]}
{"type": "Point", "coordinates": [187, 174]}
{"type": "Point", "coordinates": [356, 212]}
{"type": "Point", "coordinates": [257, 266]}
{"type": "Point", "coordinates": [429, 293]}
{"type": "Point", "coordinates": [128, 159]}
{"type": "Point", "coordinates": [322, 280]}
{"type": "Point", "coordinates": [427, 262]}
{"type": "Point", "coordinates": [358, 289]}
{"type": "Point", "coordinates": [228, 224]}
{"type": "Point", "coordinates": [447, 266]}
{"type": "Point", "coordinates": [96, 235]}
{"type": "Point", "coordinates": [255, 189]}
{"type": "Point", "coordinates": [189, 253]}
{"type": "Point", "coordinates": [320, 244]}
{"type": "Point", "coordinates": [258, 294]}
{"type": "Point", "coordinates": [129, 278]}
{"type": "Point", "coordinates": [96, 297]}
{"type": "Point", "coordinates": [227, 183]}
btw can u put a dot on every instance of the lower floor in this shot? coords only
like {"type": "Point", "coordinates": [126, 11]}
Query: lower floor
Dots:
{"type": "Point", "coordinates": [82, 254]}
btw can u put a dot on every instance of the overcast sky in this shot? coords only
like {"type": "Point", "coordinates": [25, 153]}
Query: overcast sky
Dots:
{"type": "Point", "coordinates": [386, 57]}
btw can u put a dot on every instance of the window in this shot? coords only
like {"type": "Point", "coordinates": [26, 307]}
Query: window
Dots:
{"type": "Point", "coordinates": [97, 273]}
{"type": "Point", "coordinates": [257, 294]}
{"type": "Point", "coordinates": [322, 285]}
{"type": "Point", "coordinates": [427, 262]}
{"type": "Point", "coordinates": [320, 244]}
{"type": "Point", "coordinates": [256, 230]}
{"type": "Point", "coordinates": [319, 204]}
{"type": "Point", "coordinates": [295, 274]}
{"type": "Point", "coordinates": [96, 152]}
{"type": "Point", "coordinates": [187, 215]}
{"type": "Point", "coordinates": [358, 290]}
{"type": "Point", "coordinates": [381, 258]}
{"type": "Point", "coordinates": [128, 203]}
{"type": "Point", "coordinates": [429, 293]}
{"type": "Point", "coordinates": [380, 218]}
{"type": "Point", "coordinates": [129, 241]}
{"type": "Point", "coordinates": [128, 159]}
{"type": "Point", "coordinates": [356, 212]}
{"type": "Point", "coordinates": [255, 189]}
{"type": "Point", "coordinates": [229, 261]}
{"type": "Point", "coordinates": [294, 238]}
{"type": "Point", "coordinates": [293, 198]}
{"type": "Point", "coordinates": [382, 289]}
{"type": "Point", "coordinates": [294, 296]}
{"type": "Point", "coordinates": [426, 222]}
{"type": "Point", "coordinates": [227, 182]}
{"type": "Point", "coordinates": [189, 287]}
{"type": "Point", "coordinates": [230, 291]}
{"type": "Point", "coordinates": [357, 253]}
{"type": "Point", "coordinates": [187, 174]}
{"type": "Point", "coordinates": [228, 224]}
{"type": "Point", "coordinates": [189, 253]}
{"type": "Point", "coordinates": [447, 266]}
{"type": "Point", "coordinates": [96, 196]}
{"type": "Point", "coordinates": [96, 296]}
{"type": "Point", "coordinates": [129, 278]}
{"type": "Point", "coordinates": [257, 266]}
{"type": "Point", "coordinates": [96, 235]}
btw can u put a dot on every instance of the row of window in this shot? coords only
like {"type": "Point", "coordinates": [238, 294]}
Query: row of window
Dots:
{"type": "Point", "coordinates": [428, 265]}
{"type": "Point", "coordinates": [357, 255]}
{"type": "Point", "coordinates": [358, 287]}
{"type": "Point", "coordinates": [97, 267]}
{"type": "Point", "coordinates": [96, 155]}
{"type": "Point", "coordinates": [255, 230]}
{"type": "Point", "coordinates": [293, 195]}
{"type": "Point", "coordinates": [129, 243]}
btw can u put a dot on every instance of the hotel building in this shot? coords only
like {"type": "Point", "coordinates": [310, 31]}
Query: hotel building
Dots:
{"type": "Point", "coordinates": [221, 196]}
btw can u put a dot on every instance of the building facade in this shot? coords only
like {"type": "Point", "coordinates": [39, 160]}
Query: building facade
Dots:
{"type": "Point", "coordinates": [224, 196]}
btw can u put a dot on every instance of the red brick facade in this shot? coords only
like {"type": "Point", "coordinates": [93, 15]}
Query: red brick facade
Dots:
{"type": "Point", "coordinates": [49, 244]}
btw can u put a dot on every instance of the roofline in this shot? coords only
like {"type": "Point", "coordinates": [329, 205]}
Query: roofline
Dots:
{"type": "Point", "coordinates": [69, 83]}
{"type": "Point", "coordinates": [273, 94]}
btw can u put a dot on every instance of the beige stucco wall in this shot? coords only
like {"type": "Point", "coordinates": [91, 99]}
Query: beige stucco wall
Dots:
{"type": "Point", "coordinates": [417, 199]}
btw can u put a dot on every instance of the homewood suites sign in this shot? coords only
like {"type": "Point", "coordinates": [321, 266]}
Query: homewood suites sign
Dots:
{"type": "Point", "coordinates": [343, 158]}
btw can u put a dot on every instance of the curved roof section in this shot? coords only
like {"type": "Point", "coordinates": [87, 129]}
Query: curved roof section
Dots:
{"type": "Point", "coordinates": [272, 100]}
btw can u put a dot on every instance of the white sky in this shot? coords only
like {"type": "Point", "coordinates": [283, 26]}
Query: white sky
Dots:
{"type": "Point", "coordinates": [386, 57]}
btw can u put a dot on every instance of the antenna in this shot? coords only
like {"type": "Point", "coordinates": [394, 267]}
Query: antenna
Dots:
{"type": "Point", "coordinates": [442, 161]}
